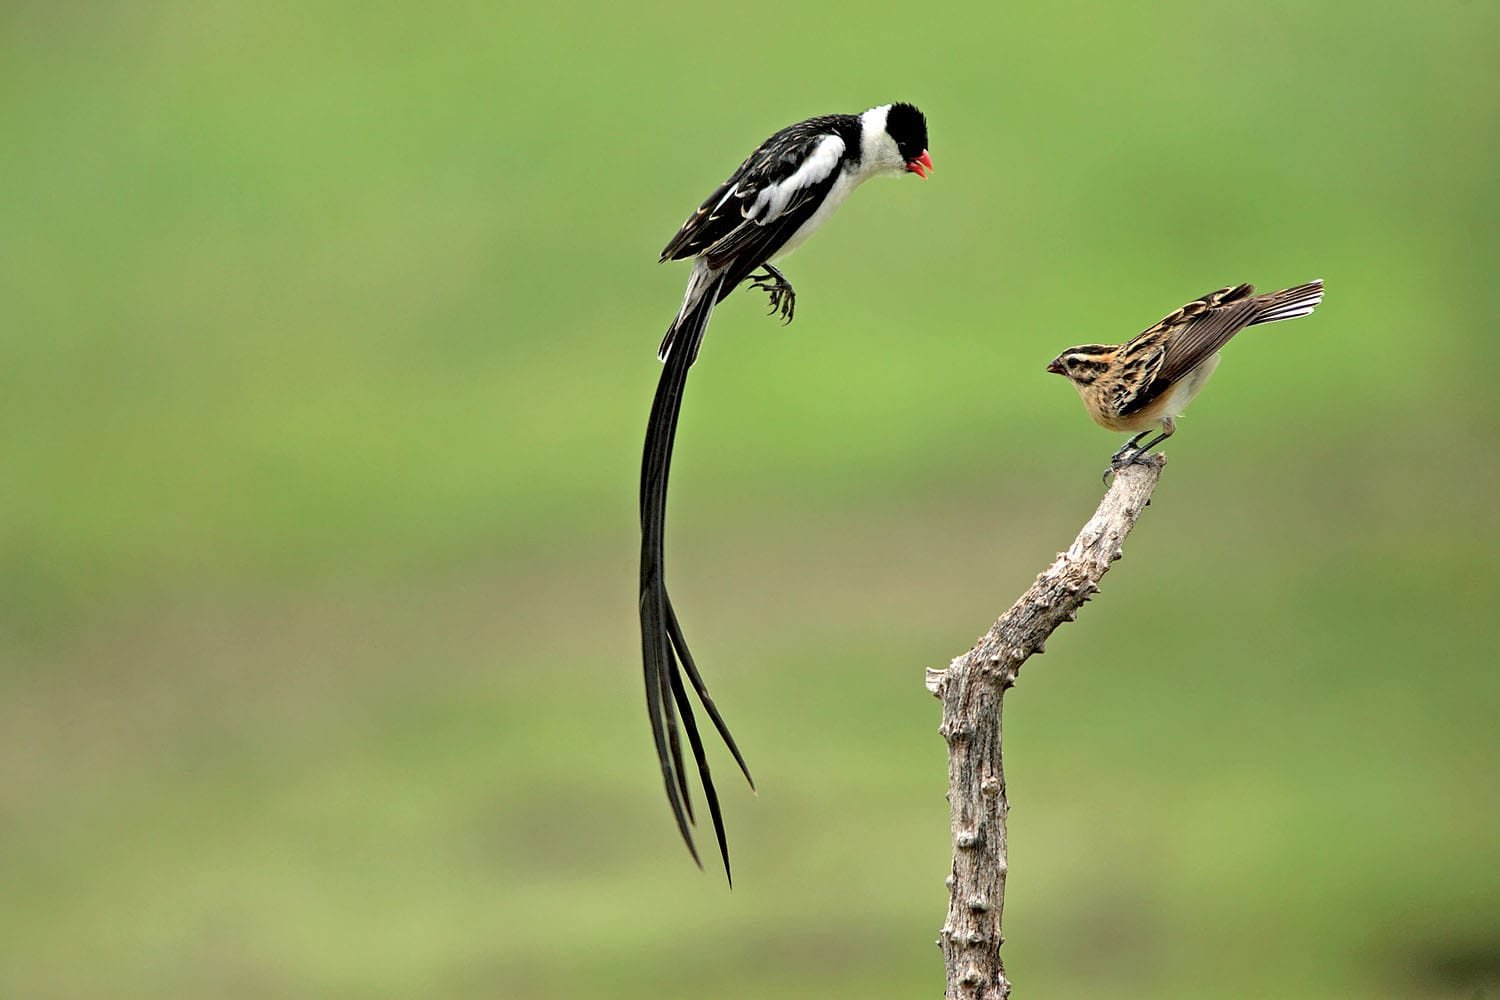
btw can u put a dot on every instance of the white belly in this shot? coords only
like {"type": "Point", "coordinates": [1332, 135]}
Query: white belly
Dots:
{"type": "Point", "coordinates": [1187, 387]}
{"type": "Point", "coordinates": [836, 195]}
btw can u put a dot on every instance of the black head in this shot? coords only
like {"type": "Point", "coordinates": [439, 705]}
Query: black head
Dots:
{"type": "Point", "coordinates": [908, 128]}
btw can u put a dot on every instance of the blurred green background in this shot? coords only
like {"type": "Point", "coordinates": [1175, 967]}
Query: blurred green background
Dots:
{"type": "Point", "coordinates": [329, 337]}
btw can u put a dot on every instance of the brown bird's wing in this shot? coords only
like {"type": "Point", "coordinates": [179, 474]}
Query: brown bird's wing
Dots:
{"type": "Point", "coordinates": [1189, 337]}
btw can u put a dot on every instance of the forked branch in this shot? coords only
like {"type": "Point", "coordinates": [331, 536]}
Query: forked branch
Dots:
{"type": "Point", "coordinates": [972, 689]}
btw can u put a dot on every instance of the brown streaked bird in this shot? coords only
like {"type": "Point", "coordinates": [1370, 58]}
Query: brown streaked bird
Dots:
{"type": "Point", "coordinates": [1147, 382]}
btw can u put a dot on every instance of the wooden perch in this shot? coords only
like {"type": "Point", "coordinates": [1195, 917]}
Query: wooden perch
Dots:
{"type": "Point", "coordinates": [972, 689]}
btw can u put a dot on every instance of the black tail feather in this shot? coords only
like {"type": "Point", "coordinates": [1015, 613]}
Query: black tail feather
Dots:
{"type": "Point", "coordinates": [678, 768]}
{"type": "Point", "coordinates": [663, 728]}
{"type": "Point", "coordinates": [679, 695]}
{"type": "Point", "coordinates": [662, 644]}
{"type": "Point", "coordinates": [675, 630]}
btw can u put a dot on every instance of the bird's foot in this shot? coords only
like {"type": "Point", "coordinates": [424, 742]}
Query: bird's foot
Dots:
{"type": "Point", "coordinates": [774, 284]}
{"type": "Point", "coordinates": [1132, 452]}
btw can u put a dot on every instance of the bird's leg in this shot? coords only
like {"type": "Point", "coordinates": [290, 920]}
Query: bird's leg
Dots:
{"type": "Point", "coordinates": [1141, 451]}
{"type": "Point", "coordinates": [1119, 457]}
{"type": "Point", "coordinates": [1133, 451]}
{"type": "Point", "coordinates": [783, 299]}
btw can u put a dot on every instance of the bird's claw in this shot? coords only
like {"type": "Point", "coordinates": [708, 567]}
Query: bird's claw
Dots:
{"type": "Point", "coordinates": [1130, 453]}
{"type": "Point", "coordinates": [1116, 463]}
{"type": "Point", "coordinates": [775, 285]}
{"type": "Point", "coordinates": [1131, 456]}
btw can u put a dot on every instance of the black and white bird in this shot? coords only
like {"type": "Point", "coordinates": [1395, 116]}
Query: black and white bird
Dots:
{"type": "Point", "coordinates": [768, 207]}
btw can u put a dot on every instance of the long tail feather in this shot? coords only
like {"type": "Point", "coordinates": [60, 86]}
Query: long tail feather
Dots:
{"type": "Point", "coordinates": [680, 644]}
{"type": "Point", "coordinates": [663, 648]}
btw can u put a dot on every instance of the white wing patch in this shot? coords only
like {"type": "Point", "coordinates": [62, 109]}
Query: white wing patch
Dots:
{"type": "Point", "coordinates": [733, 190]}
{"type": "Point", "coordinates": [773, 199]}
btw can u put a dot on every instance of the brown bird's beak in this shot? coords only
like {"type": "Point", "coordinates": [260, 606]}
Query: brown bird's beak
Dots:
{"type": "Point", "coordinates": [921, 166]}
{"type": "Point", "coordinates": [1055, 366]}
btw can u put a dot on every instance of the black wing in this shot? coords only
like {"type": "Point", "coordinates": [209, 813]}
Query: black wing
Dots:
{"type": "Point", "coordinates": [773, 163]}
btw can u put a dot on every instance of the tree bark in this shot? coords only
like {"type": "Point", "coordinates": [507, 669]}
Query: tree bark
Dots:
{"type": "Point", "coordinates": [972, 689]}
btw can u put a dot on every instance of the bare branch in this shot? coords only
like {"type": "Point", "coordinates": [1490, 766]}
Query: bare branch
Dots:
{"type": "Point", "coordinates": [972, 689]}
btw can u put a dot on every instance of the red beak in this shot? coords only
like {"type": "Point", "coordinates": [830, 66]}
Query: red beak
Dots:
{"type": "Point", "coordinates": [917, 166]}
{"type": "Point", "coordinates": [1055, 367]}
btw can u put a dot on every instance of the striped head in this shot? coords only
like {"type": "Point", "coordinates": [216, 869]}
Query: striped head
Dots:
{"type": "Point", "coordinates": [1084, 365]}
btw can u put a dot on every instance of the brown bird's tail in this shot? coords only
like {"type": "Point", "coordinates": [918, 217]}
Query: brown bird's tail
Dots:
{"type": "Point", "coordinates": [1289, 303]}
